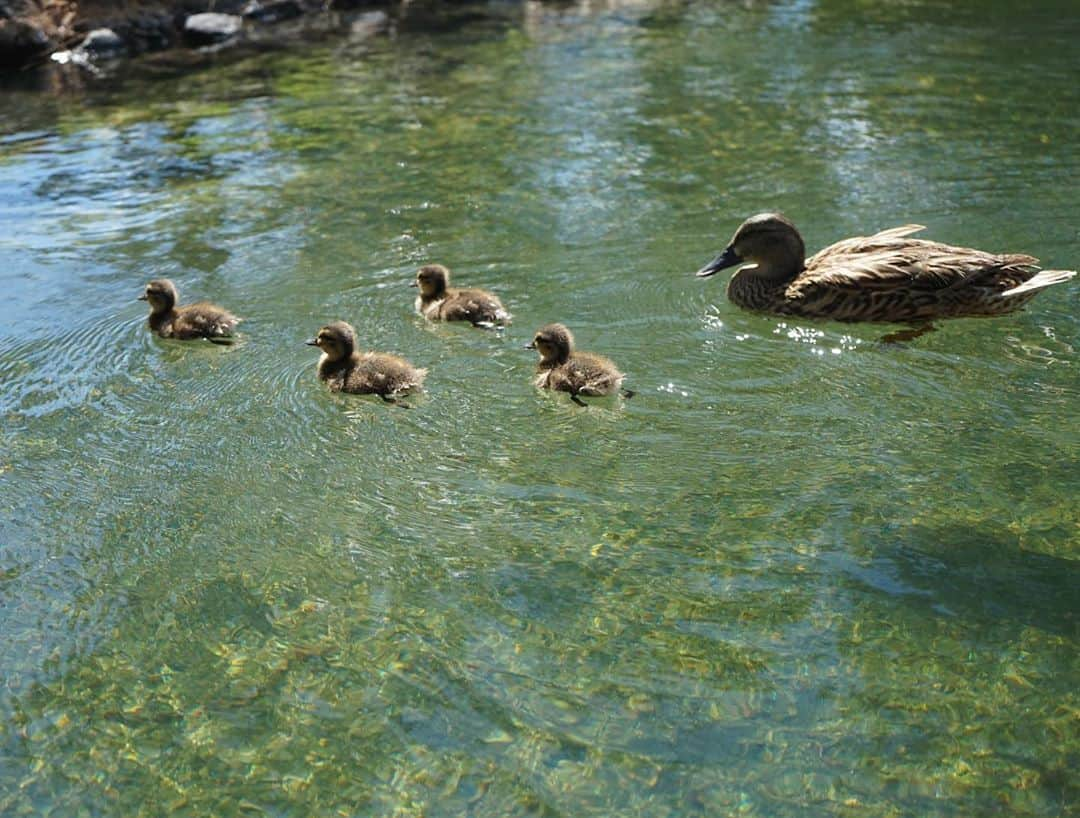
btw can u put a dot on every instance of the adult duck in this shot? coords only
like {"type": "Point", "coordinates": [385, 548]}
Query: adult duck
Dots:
{"type": "Point", "coordinates": [888, 276]}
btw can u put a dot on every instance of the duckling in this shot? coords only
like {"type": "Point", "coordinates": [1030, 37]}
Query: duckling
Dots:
{"type": "Point", "coordinates": [438, 301]}
{"type": "Point", "coordinates": [201, 320]}
{"type": "Point", "coordinates": [562, 368]}
{"type": "Point", "coordinates": [883, 277]}
{"type": "Point", "coordinates": [347, 370]}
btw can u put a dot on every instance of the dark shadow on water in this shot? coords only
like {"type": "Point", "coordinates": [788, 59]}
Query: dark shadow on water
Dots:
{"type": "Point", "coordinates": [979, 574]}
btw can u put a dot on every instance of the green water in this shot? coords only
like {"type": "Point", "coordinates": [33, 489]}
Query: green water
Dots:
{"type": "Point", "coordinates": [800, 573]}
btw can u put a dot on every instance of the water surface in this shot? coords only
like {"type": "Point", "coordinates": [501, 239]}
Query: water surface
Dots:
{"type": "Point", "coordinates": [800, 573]}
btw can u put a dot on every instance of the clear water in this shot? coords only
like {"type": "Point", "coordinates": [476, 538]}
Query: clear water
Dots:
{"type": "Point", "coordinates": [800, 573]}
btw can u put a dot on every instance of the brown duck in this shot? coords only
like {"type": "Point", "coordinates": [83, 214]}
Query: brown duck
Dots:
{"type": "Point", "coordinates": [438, 301]}
{"type": "Point", "coordinates": [345, 369]}
{"type": "Point", "coordinates": [563, 368]}
{"type": "Point", "coordinates": [884, 277]}
{"type": "Point", "coordinates": [201, 320]}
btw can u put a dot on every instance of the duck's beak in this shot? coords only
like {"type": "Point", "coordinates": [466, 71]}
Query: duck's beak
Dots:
{"type": "Point", "coordinates": [729, 258]}
{"type": "Point", "coordinates": [530, 345]}
{"type": "Point", "coordinates": [414, 284]}
{"type": "Point", "coordinates": [142, 297]}
{"type": "Point", "coordinates": [311, 342]}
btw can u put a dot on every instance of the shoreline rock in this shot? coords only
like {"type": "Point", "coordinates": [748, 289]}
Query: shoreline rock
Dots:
{"type": "Point", "coordinates": [211, 27]}
{"type": "Point", "coordinates": [104, 42]}
{"type": "Point", "coordinates": [84, 32]}
{"type": "Point", "coordinates": [22, 43]}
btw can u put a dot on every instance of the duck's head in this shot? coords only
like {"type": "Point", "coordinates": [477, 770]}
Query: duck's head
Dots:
{"type": "Point", "coordinates": [769, 240]}
{"type": "Point", "coordinates": [554, 342]}
{"type": "Point", "coordinates": [336, 340]}
{"type": "Point", "coordinates": [162, 295]}
{"type": "Point", "coordinates": [432, 279]}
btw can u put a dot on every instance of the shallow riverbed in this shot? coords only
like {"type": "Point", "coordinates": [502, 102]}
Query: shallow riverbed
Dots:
{"type": "Point", "coordinates": [800, 573]}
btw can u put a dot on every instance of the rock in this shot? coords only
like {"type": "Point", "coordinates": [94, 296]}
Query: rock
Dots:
{"type": "Point", "coordinates": [103, 42]}
{"type": "Point", "coordinates": [151, 30]}
{"type": "Point", "coordinates": [272, 11]}
{"type": "Point", "coordinates": [211, 27]}
{"type": "Point", "coordinates": [21, 43]}
{"type": "Point", "coordinates": [369, 23]}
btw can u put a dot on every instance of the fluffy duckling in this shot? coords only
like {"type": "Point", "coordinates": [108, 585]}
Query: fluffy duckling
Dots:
{"type": "Point", "coordinates": [884, 277]}
{"type": "Point", "coordinates": [438, 301]}
{"type": "Point", "coordinates": [345, 369]}
{"type": "Point", "coordinates": [201, 320]}
{"type": "Point", "coordinates": [563, 368]}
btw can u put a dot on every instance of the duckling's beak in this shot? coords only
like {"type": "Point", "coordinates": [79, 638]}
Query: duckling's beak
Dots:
{"type": "Point", "coordinates": [729, 258]}
{"type": "Point", "coordinates": [530, 345]}
{"type": "Point", "coordinates": [142, 298]}
{"type": "Point", "coordinates": [311, 342]}
{"type": "Point", "coordinates": [414, 284]}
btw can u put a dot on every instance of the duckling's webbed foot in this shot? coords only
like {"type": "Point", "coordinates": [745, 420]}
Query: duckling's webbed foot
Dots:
{"type": "Point", "coordinates": [627, 393]}
{"type": "Point", "coordinates": [909, 334]}
{"type": "Point", "coordinates": [394, 401]}
{"type": "Point", "coordinates": [578, 400]}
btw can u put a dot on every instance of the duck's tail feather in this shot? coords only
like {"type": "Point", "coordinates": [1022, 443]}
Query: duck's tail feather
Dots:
{"type": "Point", "coordinates": [1044, 278]}
{"type": "Point", "coordinates": [899, 232]}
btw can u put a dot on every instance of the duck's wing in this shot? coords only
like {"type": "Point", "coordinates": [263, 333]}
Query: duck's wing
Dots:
{"type": "Point", "coordinates": [475, 306]}
{"type": "Point", "coordinates": [890, 260]}
{"type": "Point", "coordinates": [593, 375]}
{"type": "Point", "coordinates": [204, 319]}
{"type": "Point", "coordinates": [384, 372]}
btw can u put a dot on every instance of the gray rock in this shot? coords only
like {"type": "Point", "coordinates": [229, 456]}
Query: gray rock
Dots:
{"type": "Point", "coordinates": [272, 11]}
{"type": "Point", "coordinates": [211, 27]}
{"type": "Point", "coordinates": [103, 42]}
{"type": "Point", "coordinates": [368, 24]}
{"type": "Point", "coordinates": [21, 43]}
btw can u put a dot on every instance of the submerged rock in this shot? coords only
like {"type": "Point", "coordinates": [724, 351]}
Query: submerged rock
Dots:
{"type": "Point", "coordinates": [211, 27]}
